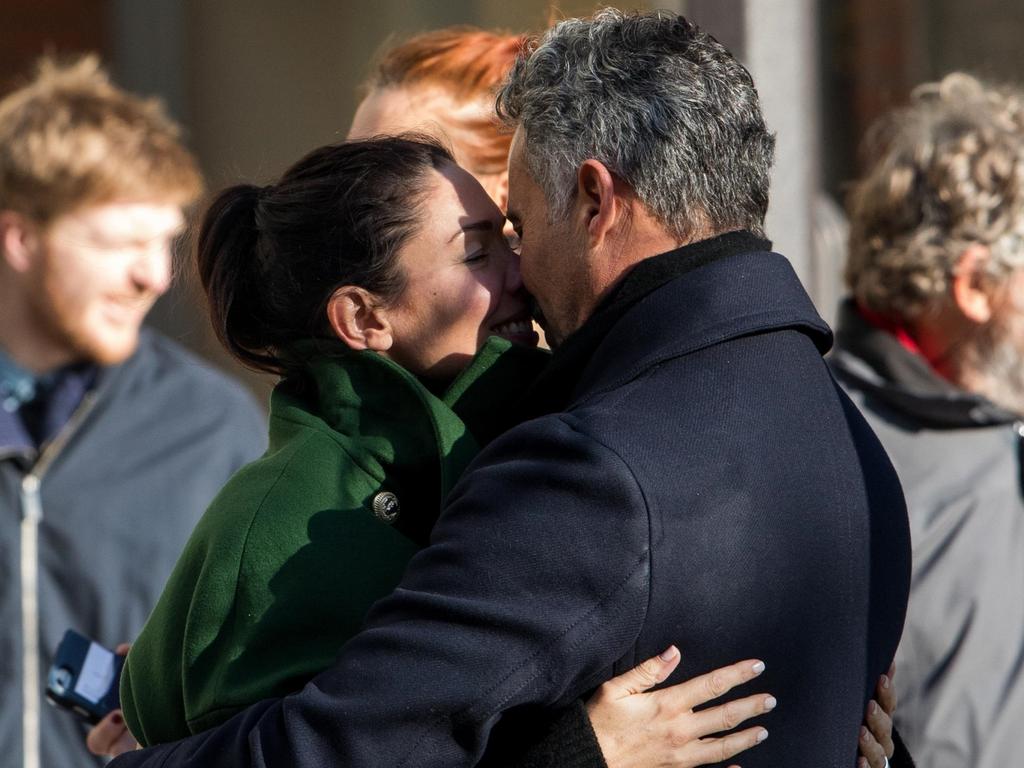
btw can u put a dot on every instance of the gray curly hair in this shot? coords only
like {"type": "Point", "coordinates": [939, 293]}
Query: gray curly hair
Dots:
{"type": "Point", "coordinates": [661, 103]}
{"type": "Point", "coordinates": [944, 173]}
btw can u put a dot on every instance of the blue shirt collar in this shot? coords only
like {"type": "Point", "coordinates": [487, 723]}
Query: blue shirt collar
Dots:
{"type": "Point", "coordinates": [51, 398]}
{"type": "Point", "coordinates": [17, 385]}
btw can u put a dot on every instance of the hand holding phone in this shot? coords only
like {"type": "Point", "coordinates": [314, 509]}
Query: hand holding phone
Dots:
{"type": "Point", "coordinates": [85, 677]}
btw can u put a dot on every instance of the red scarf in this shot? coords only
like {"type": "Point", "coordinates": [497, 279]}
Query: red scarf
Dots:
{"type": "Point", "coordinates": [893, 327]}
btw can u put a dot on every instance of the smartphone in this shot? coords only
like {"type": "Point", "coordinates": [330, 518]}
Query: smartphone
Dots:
{"type": "Point", "coordinates": [85, 677]}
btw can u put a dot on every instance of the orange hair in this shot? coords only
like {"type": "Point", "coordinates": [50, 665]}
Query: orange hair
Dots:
{"type": "Point", "coordinates": [469, 64]}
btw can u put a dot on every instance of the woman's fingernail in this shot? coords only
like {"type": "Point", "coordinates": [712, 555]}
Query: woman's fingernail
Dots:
{"type": "Point", "coordinates": [863, 733]}
{"type": "Point", "coordinates": [669, 653]}
{"type": "Point", "coordinates": [872, 707]}
{"type": "Point", "coordinates": [885, 681]}
{"type": "Point", "coordinates": [762, 735]}
{"type": "Point", "coordinates": [116, 719]}
{"type": "Point", "coordinates": [758, 667]}
{"type": "Point", "coordinates": [769, 704]}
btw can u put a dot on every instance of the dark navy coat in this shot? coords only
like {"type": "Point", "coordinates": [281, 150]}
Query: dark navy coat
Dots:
{"type": "Point", "coordinates": [707, 485]}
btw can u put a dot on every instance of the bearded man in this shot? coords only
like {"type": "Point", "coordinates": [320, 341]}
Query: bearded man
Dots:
{"type": "Point", "coordinates": [112, 438]}
{"type": "Point", "coordinates": [931, 347]}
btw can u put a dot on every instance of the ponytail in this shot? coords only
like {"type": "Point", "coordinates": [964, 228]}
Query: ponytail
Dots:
{"type": "Point", "coordinates": [270, 258]}
{"type": "Point", "coordinates": [227, 260]}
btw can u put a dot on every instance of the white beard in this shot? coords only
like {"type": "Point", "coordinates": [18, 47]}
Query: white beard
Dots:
{"type": "Point", "coordinates": [995, 359]}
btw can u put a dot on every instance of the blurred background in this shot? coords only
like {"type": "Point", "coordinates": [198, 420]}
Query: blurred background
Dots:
{"type": "Point", "coordinates": [257, 83]}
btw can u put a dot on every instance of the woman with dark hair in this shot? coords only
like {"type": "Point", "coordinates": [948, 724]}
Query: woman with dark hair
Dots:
{"type": "Point", "coordinates": [375, 279]}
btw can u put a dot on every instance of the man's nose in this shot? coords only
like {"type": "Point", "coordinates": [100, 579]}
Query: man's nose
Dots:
{"type": "Point", "coordinates": [151, 271]}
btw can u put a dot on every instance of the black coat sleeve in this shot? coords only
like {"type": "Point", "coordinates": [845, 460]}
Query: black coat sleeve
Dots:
{"type": "Point", "coordinates": [564, 739]}
{"type": "Point", "coordinates": [534, 585]}
{"type": "Point", "coordinates": [901, 757]}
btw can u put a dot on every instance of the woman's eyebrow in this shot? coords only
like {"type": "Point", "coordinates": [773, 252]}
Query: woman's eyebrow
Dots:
{"type": "Point", "coordinates": [485, 225]}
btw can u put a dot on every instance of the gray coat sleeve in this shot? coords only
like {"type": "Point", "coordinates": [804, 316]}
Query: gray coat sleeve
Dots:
{"type": "Point", "coordinates": [535, 583]}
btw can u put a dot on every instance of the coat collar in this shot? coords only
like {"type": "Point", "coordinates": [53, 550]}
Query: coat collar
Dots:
{"type": "Point", "coordinates": [675, 303]}
{"type": "Point", "coordinates": [416, 444]}
{"type": "Point", "coordinates": [873, 360]}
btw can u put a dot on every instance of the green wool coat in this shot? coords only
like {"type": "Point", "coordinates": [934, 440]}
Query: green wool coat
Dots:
{"type": "Point", "coordinates": [289, 557]}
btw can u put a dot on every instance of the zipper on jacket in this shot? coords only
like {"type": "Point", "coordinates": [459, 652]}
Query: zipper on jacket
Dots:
{"type": "Point", "coordinates": [31, 516]}
{"type": "Point", "coordinates": [32, 513]}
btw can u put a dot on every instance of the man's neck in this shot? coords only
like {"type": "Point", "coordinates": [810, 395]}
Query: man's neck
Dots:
{"type": "Point", "coordinates": [551, 390]}
{"type": "Point", "coordinates": [626, 260]}
{"type": "Point", "coordinates": [25, 340]}
{"type": "Point", "coordinates": [941, 340]}
{"type": "Point", "coordinates": [653, 270]}
{"type": "Point", "coordinates": [956, 350]}
{"type": "Point", "coordinates": [620, 256]}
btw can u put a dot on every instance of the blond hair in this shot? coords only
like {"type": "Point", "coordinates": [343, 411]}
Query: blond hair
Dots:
{"type": "Point", "coordinates": [70, 138]}
{"type": "Point", "coordinates": [945, 173]}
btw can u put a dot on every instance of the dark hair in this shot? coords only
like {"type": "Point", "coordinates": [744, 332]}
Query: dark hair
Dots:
{"type": "Point", "coordinates": [270, 258]}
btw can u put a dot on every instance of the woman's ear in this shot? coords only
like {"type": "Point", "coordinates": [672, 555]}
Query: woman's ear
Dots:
{"type": "Point", "coordinates": [357, 318]}
{"type": "Point", "coordinates": [971, 293]}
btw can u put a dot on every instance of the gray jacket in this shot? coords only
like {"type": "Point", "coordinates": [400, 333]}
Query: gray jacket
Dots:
{"type": "Point", "coordinates": [91, 527]}
{"type": "Point", "coordinates": [960, 666]}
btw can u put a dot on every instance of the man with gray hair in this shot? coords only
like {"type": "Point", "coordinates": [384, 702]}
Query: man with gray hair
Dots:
{"type": "Point", "coordinates": [688, 472]}
{"type": "Point", "coordinates": [931, 346]}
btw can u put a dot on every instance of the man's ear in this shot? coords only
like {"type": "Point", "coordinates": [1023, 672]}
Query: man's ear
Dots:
{"type": "Point", "coordinates": [357, 318]}
{"type": "Point", "coordinates": [971, 292]}
{"type": "Point", "coordinates": [19, 240]}
{"type": "Point", "coordinates": [598, 205]}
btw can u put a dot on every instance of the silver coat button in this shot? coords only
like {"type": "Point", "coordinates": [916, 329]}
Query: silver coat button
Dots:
{"type": "Point", "coordinates": [386, 507]}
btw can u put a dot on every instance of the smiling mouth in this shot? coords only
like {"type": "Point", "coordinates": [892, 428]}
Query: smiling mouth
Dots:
{"type": "Point", "coordinates": [519, 330]}
{"type": "Point", "coordinates": [128, 309]}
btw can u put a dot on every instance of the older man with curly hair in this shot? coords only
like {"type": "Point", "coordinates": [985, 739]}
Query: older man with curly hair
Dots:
{"type": "Point", "coordinates": [931, 346]}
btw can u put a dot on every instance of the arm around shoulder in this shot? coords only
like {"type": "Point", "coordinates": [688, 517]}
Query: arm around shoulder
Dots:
{"type": "Point", "coordinates": [534, 584]}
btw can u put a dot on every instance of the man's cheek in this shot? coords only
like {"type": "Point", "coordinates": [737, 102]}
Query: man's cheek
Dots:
{"type": "Point", "coordinates": [527, 271]}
